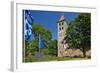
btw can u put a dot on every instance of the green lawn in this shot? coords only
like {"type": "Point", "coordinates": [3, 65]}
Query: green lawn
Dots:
{"type": "Point", "coordinates": [49, 58]}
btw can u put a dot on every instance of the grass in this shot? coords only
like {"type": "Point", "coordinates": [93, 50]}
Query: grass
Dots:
{"type": "Point", "coordinates": [51, 58]}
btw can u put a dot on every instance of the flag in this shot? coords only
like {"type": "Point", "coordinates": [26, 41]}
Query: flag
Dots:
{"type": "Point", "coordinates": [28, 21]}
{"type": "Point", "coordinates": [41, 44]}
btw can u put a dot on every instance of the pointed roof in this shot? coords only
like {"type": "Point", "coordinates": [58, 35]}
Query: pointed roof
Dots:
{"type": "Point", "coordinates": [61, 18]}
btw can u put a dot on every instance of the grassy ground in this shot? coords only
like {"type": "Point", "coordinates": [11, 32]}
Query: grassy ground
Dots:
{"type": "Point", "coordinates": [49, 58]}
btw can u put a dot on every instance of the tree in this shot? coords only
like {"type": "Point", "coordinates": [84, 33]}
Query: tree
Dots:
{"type": "Point", "coordinates": [47, 36]}
{"type": "Point", "coordinates": [78, 33]}
{"type": "Point", "coordinates": [37, 29]}
{"type": "Point", "coordinates": [45, 33]}
{"type": "Point", "coordinates": [34, 46]}
{"type": "Point", "coordinates": [50, 46]}
{"type": "Point", "coordinates": [51, 49]}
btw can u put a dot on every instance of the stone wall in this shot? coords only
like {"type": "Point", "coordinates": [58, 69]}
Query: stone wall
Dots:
{"type": "Point", "coordinates": [74, 53]}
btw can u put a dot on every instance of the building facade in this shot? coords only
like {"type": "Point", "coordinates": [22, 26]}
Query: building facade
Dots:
{"type": "Point", "coordinates": [62, 26]}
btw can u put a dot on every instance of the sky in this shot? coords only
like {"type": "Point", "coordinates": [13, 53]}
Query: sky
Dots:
{"type": "Point", "coordinates": [49, 19]}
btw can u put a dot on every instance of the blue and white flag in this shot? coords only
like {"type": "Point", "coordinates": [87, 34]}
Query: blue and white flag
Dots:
{"type": "Point", "coordinates": [28, 21]}
{"type": "Point", "coordinates": [41, 44]}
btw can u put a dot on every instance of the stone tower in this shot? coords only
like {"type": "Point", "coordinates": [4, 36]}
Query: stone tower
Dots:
{"type": "Point", "coordinates": [62, 26]}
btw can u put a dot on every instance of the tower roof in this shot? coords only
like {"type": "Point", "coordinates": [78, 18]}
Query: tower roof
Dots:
{"type": "Point", "coordinates": [61, 18]}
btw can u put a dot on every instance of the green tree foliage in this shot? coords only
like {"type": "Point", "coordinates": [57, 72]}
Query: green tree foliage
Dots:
{"type": "Point", "coordinates": [31, 47]}
{"type": "Point", "coordinates": [78, 33]}
{"type": "Point", "coordinates": [50, 46]}
{"type": "Point", "coordinates": [37, 29]}
{"type": "Point", "coordinates": [47, 36]}
{"type": "Point", "coordinates": [26, 48]}
{"type": "Point", "coordinates": [51, 49]}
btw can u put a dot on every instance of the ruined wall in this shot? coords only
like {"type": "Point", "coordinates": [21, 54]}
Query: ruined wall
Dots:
{"type": "Point", "coordinates": [74, 53]}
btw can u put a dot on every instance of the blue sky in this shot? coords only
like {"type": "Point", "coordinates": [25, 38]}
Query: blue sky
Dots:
{"type": "Point", "coordinates": [49, 19]}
